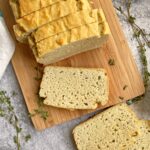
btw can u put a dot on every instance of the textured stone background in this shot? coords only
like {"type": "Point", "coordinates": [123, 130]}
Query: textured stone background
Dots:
{"type": "Point", "coordinates": [59, 137]}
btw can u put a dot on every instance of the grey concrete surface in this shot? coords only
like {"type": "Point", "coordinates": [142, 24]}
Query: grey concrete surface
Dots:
{"type": "Point", "coordinates": [59, 137]}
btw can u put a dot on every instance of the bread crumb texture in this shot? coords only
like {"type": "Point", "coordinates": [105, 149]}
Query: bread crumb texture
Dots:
{"type": "Point", "coordinates": [114, 129]}
{"type": "Point", "coordinates": [142, 142]}
{"type": "Point", "coordinates": [74, 88]}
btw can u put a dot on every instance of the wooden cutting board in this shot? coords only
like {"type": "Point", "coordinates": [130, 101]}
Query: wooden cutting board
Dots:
{"type": "Point", "coordinates": [124, 72]}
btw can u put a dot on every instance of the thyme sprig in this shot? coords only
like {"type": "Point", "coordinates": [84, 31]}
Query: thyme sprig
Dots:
{"type": "Point", "coordinates": [43, 114]}
{"type": "Point", "coordinates": [40, 110]}
{"type": "Point", "coordinates": [143, 42]}
{"type": "Point", "coordinates": [18, 130]}
{"type": "Point", "coordinates": [7, 111]}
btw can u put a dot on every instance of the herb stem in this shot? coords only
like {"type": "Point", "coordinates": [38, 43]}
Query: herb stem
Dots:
{"type": "Point", "coordinates": [18, 130]}
{"type": "Point", "coordinates": [141, 37]}
{"type": "Point", "coordinates": [7, 111]}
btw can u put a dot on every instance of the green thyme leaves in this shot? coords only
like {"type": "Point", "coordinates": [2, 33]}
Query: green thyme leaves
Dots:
{"type": "Point", "coordinates": [7, 111]}
{"type": "Point", "coordinates": [43, 114]}
{"type": "Point", "coordinates": [27, 137]}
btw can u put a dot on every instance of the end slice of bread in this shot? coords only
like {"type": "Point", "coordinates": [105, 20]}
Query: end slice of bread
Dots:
{"type": "Point", "coordinates": [74, 88]}
{"type": "Point", "coordinates": [114, 129]}
{"type": "Point", "coordinates": [69, 43]}
{"type": "Point", "coordinates": [66, 23]}
{"type": "Point", "coordinates": [27, 24]}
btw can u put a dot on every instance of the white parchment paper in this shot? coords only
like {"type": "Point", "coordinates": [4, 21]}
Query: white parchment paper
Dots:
{"type": "Point", "coordinates": [7, 46]}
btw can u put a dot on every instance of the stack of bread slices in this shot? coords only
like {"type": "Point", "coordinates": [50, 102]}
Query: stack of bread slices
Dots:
{"type": "Point", "coordinates": [58, 29]}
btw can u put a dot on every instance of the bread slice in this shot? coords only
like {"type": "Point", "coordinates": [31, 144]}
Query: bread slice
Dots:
{"type": "Point", "coordinates": [142, 142]}
{"type": "Point", "coordinates": [74, 88]}
{"type": "Point", "coordinates": [69, 43]}
{"type": "Point", "coordinates": [114, 129]}
{"type": "Point", "coordinates": [65, 23]}
{"type": "Point", "coordinates": [22, 8]}
{"type": "Point", "coordinates": [31, 22]}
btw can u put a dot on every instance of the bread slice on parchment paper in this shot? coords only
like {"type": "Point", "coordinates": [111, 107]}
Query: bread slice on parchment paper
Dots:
{"type": "Point", "coordinates": [117, 128]}
{"type": "Point", "coordinates": [31, 22]}
{"type": "Point", "coordinates": [74, 88]}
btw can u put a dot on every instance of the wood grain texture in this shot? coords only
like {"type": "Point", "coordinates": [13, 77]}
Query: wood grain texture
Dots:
{"type": "Point", "coordinates": [124, 72]}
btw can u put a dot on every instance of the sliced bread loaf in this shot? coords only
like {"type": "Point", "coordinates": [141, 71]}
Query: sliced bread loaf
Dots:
{"type": "Point", "coordinates": [74, 88]}
{"type": "Point", "coordinates": [65, 23]}
{"type": "Point", "coordinates": [31, 22]}
{"type": "Point", "coordinates": [68, 43]}
{"type": "Point", "coordinates": [114, 129]}
{"type": "Point", "coordinates": [143, 141]}
{"type": "Point", "coordinates": [21, 8]}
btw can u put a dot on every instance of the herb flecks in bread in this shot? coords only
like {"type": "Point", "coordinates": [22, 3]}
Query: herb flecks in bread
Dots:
{"type": "Point", "coordinates": [143, 141]}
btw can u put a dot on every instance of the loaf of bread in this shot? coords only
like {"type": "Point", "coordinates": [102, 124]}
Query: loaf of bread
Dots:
{"type": "Point", "coordinates": [69, 43]}
{"type": "Point", "coordinates": [31, 22]}
{"type": "Point", "coordinates": [74, 88]}
{"type": "Point", "coordinates": [143, 141]}
{"type": "Point", "coordinates": [66, 23]}
{"type": "Point", "coordinates": [114, 129]}
{"type": "Point", "coordinates": [22, 8]}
